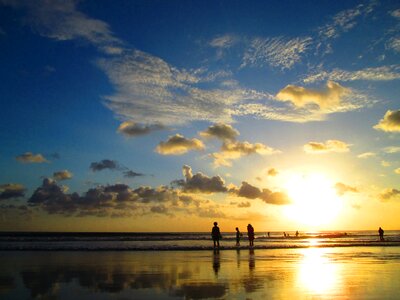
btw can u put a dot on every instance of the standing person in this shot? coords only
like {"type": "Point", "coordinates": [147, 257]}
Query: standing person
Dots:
{"type": "Point", "coordinates": [238, 235]}
{"type": "Point", "coordinates": [381, 232]}
{"type": "Point", "coordinates": [216, 235]}
{"type": "Point", "coordinates": [250, 234]}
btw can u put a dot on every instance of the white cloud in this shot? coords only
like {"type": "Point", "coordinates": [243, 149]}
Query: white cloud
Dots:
{"type": "Point", "coordinates": [220, 131]}
{"type": "Point", "coordinates": [395, 13]}
{"type": "Point", "coordinates": [366, 155]}
{"type": "Point", "coordinates": [279, 52]}
{"type": "Point", "coordinates": [397, 171]}
{"type": "Point", "coordinates": [384, 73]}
{"type": "Point", "coordinates": [394, 44]}
{"type": "Point", "coordinates": [62, 175]}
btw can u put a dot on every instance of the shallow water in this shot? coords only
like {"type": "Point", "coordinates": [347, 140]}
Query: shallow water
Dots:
{"type": "Point", "coordinates": [306, 273]}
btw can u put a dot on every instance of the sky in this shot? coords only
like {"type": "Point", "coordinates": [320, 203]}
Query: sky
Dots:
{"type": "Point", "coordinates": [170, 115]}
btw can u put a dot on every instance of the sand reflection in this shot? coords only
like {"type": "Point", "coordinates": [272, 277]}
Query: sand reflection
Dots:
{"type": "Point", "coordinates": [317, 273]}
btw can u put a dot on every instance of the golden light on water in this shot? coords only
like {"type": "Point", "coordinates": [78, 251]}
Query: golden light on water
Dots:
{"type": "Point", "coordinates": [317, 274]}
{"type": "Point", "coordinates": [315, 201]}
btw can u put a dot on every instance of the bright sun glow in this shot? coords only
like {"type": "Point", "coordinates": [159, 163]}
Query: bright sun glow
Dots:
{"type": "Point", "coordinates": [315, 201]}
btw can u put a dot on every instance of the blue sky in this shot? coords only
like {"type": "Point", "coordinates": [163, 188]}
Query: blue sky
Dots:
{"type": "Point", "coordinates": [130, 114]}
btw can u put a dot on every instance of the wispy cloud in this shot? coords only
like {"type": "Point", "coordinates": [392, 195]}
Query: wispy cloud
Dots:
{"type": "Point", "coordinates": [178, 145]}
{"type": "Point", "coordinates": [223, 41]}
{"type": "Point", "coordinates": [392, 149]}
{"type": "Point", "coordinates": [366, 155]}
{"type": "Point", "coordinates": [390, 122]}
{"type": "Point", "coordinates": [342, 188]}
{"type": "Point", "coordinates": [104, 165]}
{"type": "Point", "coordinates": [326, 147]}
{"type": "Point", "coordinates": [389, 194]}
{"type": "Point", "coordinates": [60, 20]}
{"type": "Point", "coordinates": [384, 73]}
{"type": "Point", "coordinates": [30, 158]}
{"type": "Point", "coordinates": [279, 52]}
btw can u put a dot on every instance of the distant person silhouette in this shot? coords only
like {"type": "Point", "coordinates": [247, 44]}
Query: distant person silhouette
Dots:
{"type": "Point", "coordinates": [268, 234]}
{"type": "Point", "coordinates": [238, 236]}
{"type": "Point", "coordinates": [216, 235]}
{"type": "Point", "coordinates": [250, 234]}
{"type": "Point", "coordinates": [381, 232]}
{"type": "Point", "coordinates": [297, 233]}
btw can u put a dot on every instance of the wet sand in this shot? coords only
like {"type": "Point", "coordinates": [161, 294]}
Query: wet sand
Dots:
{"type": "Point", "coordinates": [310, 273]}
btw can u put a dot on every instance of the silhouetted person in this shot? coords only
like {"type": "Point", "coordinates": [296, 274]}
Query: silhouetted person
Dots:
{"type": "Point", "coordinates": [216, 235]}
{"type": "Point", "coordinates": [238, 235]}
{"type": "Point", "coordinates": [297, 233]}
{"type": "Point", "coordinates": [268, 233]}
{"type": "Point", "coordinates": [381, 232]}
{"type": "Point", "coordinates": [216, 263]}
{"type": "Point", "coordinates": [250, 234]}
{"type": "Point", "coordinates": [284, 234]}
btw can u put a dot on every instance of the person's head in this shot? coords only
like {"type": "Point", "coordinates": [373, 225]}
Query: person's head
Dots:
{"type": "Point", "coordinates": [237, 228]}
{"type": "Point", "coordinates": [215, 223]}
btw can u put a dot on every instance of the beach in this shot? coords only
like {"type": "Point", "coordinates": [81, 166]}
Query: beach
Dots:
{"type": "Point", "coordinates": [295, 273]}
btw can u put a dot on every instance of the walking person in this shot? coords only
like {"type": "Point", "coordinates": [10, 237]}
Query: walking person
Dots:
{"type": "Point", "coordinates": [381, 232]}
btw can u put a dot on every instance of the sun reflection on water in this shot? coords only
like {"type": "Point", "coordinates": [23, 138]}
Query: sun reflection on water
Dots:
{"type": "Point", "coordinates": [317, 274]}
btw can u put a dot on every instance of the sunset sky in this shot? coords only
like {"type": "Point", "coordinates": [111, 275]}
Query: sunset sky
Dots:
{"type": "Point", "coordinates": [170, 115]}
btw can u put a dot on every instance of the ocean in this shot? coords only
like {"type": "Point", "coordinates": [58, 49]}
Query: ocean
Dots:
{"type": "Point", "coordinates": [188, 240]}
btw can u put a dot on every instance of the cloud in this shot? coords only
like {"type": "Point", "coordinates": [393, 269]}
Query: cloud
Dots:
{"type": "Point", "coordinates": [105, 164]}
{"type": "Point", "coordinates": [342, 188]}
{"type": "Point", "coordinates": [384, 73]}
{"type": "Point", "coordinates": [200, 183]}
{"type": "Point", "coordinates": [272, 172]}
{"type": "Point", "coordinates": [60, 20]}
{"type": "Point", "coordinates": [223, 41]}
{"type": "Point", "coordinates": [132, 174]}
{"type": "Point", "coordinates": [101, 201]}
{"type": "Point", "coordinates": [390, 122]}
{"type": "Point", "coordinates": [395, 13]}
{"type": "Point", "coordinates": [389, 194]}
{"type": "Point", "coordinates": [244, 204]}
{"type": "Point", "coordinates": [132, 129]}
{"type": "Point", "coordinates": [394, 44]}
{"type": "Point", "coordinates": [62, 175]}
{"type": "Point", "coordinates": [235, 150]}
{"type": "Point", "coordinates": [328, 146]}
{"type": "Point", "coordinates": [150, 91]}
{"type": "Point", "coordinates": [391, 149]}
{"type": "Point", "coordinates": [178, 145]}
{"type": "Point", "coordinates": [220, 131]}
{"type": "Point", "coordinates": [327, 99]}
{"type": "Point", "coordinates": [249, 191]}
{"type": "Point", "coordinates": [11, 191]}
{"type": "Point", "coordinates": [385, 163]}
{"type": "Point", "coordinates": [397, 171]}
{"type": "Point", "coordinates": [366, 155]}
{"type": "Point", "coordinates": [29, 157]}
{"type": "Point", "coordinates": [278, 52]}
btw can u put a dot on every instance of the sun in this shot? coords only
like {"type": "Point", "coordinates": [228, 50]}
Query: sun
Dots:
{"type": "Point", "coordinates": [315, 201]}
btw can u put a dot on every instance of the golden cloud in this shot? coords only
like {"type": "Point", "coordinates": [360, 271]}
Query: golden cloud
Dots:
{"type": "Point", "coordinates": [390, 122]}
{"type": "Point", "coordinates": [328, 146]}
{"type": "Point", "coordinates": [235, 150]}
{"type": "Point", "coordinates": [178, 145]}
{"type": "Point", "coordinates": [326, 99]}
{"type": "Point", "coordinates": [29, 157]}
